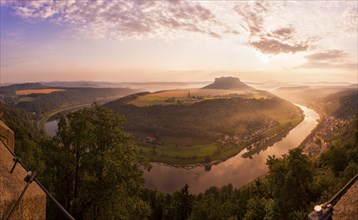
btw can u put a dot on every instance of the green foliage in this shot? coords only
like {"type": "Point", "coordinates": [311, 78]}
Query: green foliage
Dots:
{"type": "Point", "coordinates": [342, 158]}
{"type": "Point", "coordinates": [95, 166]}
{"type": "Point", "coordinates": [336, 159]}
{"type": "Point", "coordinates": [208, 207]}
{"type": "Point", "coordinates": [290, 179]}
{"type": "Point", "coordinates": [255, 209]}
{"type": "Point", "coordinates": [27, 137]}
{"type": "Point", "coordinates": [183, 202]}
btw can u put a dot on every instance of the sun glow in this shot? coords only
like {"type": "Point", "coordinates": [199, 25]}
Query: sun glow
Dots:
{"type": "Point", "coordinates": [263, 57]}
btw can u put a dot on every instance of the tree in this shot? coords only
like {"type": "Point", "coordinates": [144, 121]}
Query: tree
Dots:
{"type": "Point", "coordinates": [98, 172]}
{"type": "Point", "coordinates": [290, 180]}
{"type": "Point", "coordinates": [255, 209]}
{"type": "Point", "coordinates": [208, 207]}
{"type": "Point", "coordinates": [183, 202]}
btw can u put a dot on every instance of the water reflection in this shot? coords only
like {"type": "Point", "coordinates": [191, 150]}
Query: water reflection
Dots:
{"type": "Point", "coordinates": [51, 127]}
{"type": "Point", "coordinates": [237, 170]}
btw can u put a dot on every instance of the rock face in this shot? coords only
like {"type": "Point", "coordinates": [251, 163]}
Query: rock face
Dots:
{"type": "Point", "coordinates": [228, 83]}
{"type": "Point", "coordinates": [7, 135]}
{"type": "Point", "coordinates": [347, 206]}
{"type": "Point", "coordinates": [33, 204]}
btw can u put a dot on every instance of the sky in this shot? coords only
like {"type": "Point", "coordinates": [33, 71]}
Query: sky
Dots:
{"type": "Point", "coordinates": [172, 40]}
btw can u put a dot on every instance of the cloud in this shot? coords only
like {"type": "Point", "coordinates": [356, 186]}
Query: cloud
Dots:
{"type": "Point", "coordinates": [328, 59]}
{"type": "Point", "coordinates": [350, 19]}
{"type": "Point", "coordinates": [327, 55]}
{"type": "Point", "coordinates": [283, 33]}
{"type": "Point", "coordinates": [274, 41]}
{"type": "Point", "coordinates": [121, 18]}
{"type": "Point", "coordinates": [253, 15]}
{"type": "Point", "coordinates": [274, 46]}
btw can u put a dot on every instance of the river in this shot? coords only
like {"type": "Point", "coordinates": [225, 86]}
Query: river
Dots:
{"type": "Point", "coordinates": [237, 170]}
{"type": "Point", "coordinates": [51, 127]}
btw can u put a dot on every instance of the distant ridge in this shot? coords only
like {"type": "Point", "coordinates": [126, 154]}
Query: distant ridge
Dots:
{"type": "Point", "coordinates": [229, 83]}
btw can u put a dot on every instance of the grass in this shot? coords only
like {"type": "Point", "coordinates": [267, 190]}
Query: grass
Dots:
{"type": "Point", "coordinates": [198, 151]}
{"type": "Point", "coordinates": [26, 99]}
{"type": "Point", "coordinates": [188, 156]}
{"type": "Point", "coordinates": [183, 141]}
{"type": "Point", "coordinates": [37, 91]}
{"type": "Point", "coordinates": [182, 156]}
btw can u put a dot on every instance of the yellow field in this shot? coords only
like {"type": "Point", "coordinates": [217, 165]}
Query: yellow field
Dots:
{"type": "Point", "coordinates": [37, 91]}
{"type": "Point", "coordinates": [194, 92]}
{"type": "Point", "coordinates": [160, 98]}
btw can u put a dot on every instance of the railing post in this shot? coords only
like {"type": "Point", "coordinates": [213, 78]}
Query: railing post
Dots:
{"type": "Point", "coordinates": [321, 212]}
{"type": "Point", "coordinates": [28, 179]}
{"type": "Point", "coordinates": [16, 159]}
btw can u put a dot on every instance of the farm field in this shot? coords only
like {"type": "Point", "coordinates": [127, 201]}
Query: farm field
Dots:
{"type": "Point", "coordinates": [171, 97]}
{"type": "Point", "coordinates": [37, 91]}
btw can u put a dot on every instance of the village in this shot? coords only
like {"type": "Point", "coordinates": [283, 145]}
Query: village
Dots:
{"type": "Point", "coordinates": [320, 141]}
{"type": "Point", "coordinates": [251, 141]}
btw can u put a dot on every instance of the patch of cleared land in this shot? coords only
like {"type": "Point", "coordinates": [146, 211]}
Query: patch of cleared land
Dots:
{"type": "Point", "coordinates": [26, 99]}
{"type": "Point", "coordinates": [37, 91]}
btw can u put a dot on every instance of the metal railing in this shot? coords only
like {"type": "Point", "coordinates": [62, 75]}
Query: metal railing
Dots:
{"type": "Point", "coordinates": [29, 178]}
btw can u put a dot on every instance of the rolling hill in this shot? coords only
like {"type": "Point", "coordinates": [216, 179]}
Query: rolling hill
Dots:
{"type": "Point", "coordinates": [339, 102]}
{"type": "Point", "coordinates": [39, 99]}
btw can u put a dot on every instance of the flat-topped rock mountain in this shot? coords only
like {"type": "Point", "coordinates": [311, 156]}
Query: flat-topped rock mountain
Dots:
{"type": "Point", "coordinates": [228, 83]}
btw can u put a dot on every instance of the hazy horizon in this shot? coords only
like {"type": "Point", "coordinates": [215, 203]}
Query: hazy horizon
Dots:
{"type": "Point", "coordinates": [178, 41]}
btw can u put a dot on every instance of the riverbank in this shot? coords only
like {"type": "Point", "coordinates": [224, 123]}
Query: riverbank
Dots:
{"type": "Point", "coordinates": [211, 154]}
{"type": "Point", "coordinates": [44, 119]}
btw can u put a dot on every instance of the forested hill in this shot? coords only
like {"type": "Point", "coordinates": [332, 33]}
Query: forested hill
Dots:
{"type": "Point", "coordinates": [339, 102]}
{"type": "Point", "coordinates": [343, 104]}
{"type": "Point", "coordinates": [13, 88]}
{"type": "Point", "coordinates": [208, 117]}
{"type": "Point", "coordinates": [39, 99]}
{"type": "Point", "coordinates": [42, 103]}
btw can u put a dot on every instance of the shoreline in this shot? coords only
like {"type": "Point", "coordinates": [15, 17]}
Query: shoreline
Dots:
{"type": "Point", "coordinates": [231, 152]}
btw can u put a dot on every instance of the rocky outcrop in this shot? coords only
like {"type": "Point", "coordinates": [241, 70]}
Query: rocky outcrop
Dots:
{"type": "Point", "coordinates": [7, 135]}
{"type": "Point", "coordinates": [347, 206]}
{"type": "Point", "coordinates": [33, 203]}
{"type": "Point", "coordinates": [228, 83]}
